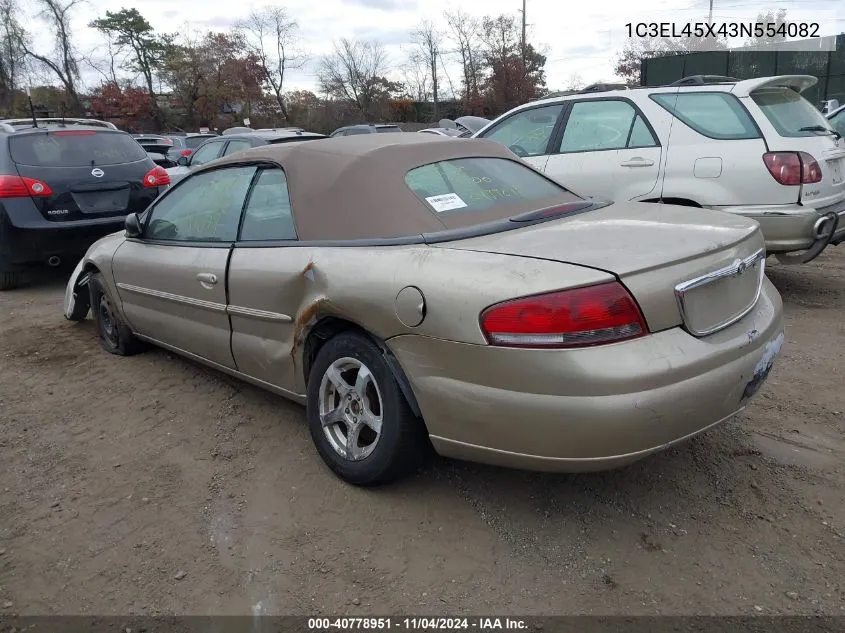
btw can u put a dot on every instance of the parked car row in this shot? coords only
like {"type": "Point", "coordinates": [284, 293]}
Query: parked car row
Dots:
{"type": "Point", "coordinates": [419, 291]}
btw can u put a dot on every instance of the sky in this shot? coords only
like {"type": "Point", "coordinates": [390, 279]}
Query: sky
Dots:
{"type": "Point", "coordinates": [579, 37]}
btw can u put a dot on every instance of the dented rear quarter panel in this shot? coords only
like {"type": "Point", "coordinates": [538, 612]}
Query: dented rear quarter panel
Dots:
{"type": "Point", "coordinates": [360, 285]}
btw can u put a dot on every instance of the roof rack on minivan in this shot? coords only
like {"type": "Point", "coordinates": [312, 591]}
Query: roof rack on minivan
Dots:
{"type": "Point", "coordinates": [703, 80]}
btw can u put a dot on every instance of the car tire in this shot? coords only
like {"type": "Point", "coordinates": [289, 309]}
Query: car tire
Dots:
{"type": "Point", "coordinates": [10, 280]}
{"type": "Point", "coordinates": [114, 336]}
{"type": "Point", "coordinates": [377, 457]}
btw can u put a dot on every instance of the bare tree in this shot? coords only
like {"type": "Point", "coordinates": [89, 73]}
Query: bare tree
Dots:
{"type": "Point", "coordinates": [575, 81]}
{"type": "Point", "coordinates": [105, 63]}
{"type": "Point", "coordinates": [427, 42]}
{"type": "Point", "coordinates": [355, 72]}
{"type": "Point", "coordinates": [464, 32]}
{"type": "Point", "coordinates": [416, 78]}
{"type": "Point", "coordinates": [12, 57]}
{"type": "Point", "coordinates": [272, 36]}
{"type": "Point", "coordinates": [62, 62]}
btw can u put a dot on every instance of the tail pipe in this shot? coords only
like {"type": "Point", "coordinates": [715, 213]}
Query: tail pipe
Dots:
{"type": "Point", "coordinates": [54, 261]}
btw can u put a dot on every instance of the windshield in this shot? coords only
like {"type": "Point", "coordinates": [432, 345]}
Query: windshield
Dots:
{"type": "Point", "coordinates": [75, 148]}
{"type": "Point", "coordinates": [465, 185]}
{"type": "Point", "coordinates": [790, 113]}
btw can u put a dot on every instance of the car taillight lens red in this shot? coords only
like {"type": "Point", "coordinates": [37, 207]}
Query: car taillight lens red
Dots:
{"type": "Point", "coordinates": [19, 187]}
{"type": "Point", "coordinates": [157, 177]}
{"type": "Point", "coordinates": [793, 168]}
{"type": "Point", "coordinates": [593, 315]}
{"type": "Point", "coordinates": [186, 152]}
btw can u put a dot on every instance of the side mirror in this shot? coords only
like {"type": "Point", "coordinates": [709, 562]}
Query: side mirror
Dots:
{"type": "Point", "coordinates": [183, 161]}
{"type": "Point", "coordinates": [132, 225]}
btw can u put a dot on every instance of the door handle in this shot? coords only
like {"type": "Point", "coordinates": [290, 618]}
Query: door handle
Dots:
{"type": "Point", "coordinates": [637, 162]}
{"type": "Point", "coordinates": [207, 278]}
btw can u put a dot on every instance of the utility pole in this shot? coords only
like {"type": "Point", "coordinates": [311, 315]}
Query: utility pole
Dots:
{"type": "Point", "coordinates": [523, 35]}
{"type": "Point", "coordinates": [710, 15]}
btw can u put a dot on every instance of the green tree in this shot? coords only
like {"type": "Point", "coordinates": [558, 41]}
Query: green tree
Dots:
{"type": "Point", "coordinates": [145, 50]}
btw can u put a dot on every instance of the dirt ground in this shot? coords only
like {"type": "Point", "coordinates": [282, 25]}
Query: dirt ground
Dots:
{"type": "Point", "coordinates": [151, 485]}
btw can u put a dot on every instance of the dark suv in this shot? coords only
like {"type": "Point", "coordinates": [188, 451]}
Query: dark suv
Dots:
{"type": "Point", "coordinates": [62, 187]}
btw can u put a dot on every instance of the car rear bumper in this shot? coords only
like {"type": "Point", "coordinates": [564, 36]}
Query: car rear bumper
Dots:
{"type": "Point", "coordinates": [790, 227]}
{"type": "Point", "coordinates": [38, 241]}
{"type": "Point", "coordinates": [591, 408]}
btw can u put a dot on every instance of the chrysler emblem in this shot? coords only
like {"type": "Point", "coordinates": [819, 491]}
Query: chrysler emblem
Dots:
{"type": "Point", "coordinates": [741, 267]}
{"type": "Point", "coordinates": [97, 172]}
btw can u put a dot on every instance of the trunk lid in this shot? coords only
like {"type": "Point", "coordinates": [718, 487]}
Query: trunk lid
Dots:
{"type": "Point", "coordinates": [702, 269]}
{"type": "Point", "coordinates": [790, 123]}
{"type": "Point", "coordinates": [91, 174]}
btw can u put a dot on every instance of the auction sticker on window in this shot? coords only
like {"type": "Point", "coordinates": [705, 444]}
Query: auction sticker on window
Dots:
{"type": "Point", "coordinates": [446, 202]}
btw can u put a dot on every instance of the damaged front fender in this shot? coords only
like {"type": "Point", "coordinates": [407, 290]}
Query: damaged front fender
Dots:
{"type": "Point", "coordinates": [77, 302]}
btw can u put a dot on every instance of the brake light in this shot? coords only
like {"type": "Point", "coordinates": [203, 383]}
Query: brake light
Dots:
{"type": "Point", "coordinates": [74, 133]}
{"type": "Point", "coordinates": [157, 177]}
{"type": "Point", "coordinates": [593, 315]}
{"type": "Point", "coordinates": [19, 187]}
{"type": "Point", "coordinates": [793, 168]}
{"type": "Point", "coordinates": [811, 171]}
{"type": "Point", "coordinates": [186, 152]}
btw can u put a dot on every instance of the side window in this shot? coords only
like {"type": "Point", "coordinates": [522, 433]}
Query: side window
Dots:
{"type": "Point", "coordinates": [236, 146]}
{"type": "Point", "coordinates": [207, 153]}
{"type": "Point", "coordinates": [598, 125]}
{"type": "Point", "coordinates": [527, 133]}
{"type": "Point", "coordinates": [838, 122]}
{"type": "Point", "coordinates": [268, 215]}
{"type": "Point", "coordinates": [204, 208]}
{"type": "Point", "coordinates": [713, 114]}
{"type": "Point", "coordinates": [641, 136]}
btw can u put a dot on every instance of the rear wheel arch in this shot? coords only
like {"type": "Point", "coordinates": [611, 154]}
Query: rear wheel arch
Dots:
{"type": "Point", "coordinates": [328, 327]}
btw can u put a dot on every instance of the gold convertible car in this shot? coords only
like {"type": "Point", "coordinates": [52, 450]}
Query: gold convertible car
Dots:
{"type": "Point", "coordinates": [416, 291]}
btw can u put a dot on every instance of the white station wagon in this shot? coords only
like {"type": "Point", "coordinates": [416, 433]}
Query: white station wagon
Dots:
{"type": "Point", "coordinates": [756, 148]}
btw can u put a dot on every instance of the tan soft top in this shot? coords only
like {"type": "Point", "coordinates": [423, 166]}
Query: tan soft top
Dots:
{"type": "Point", "coordinates": [354, 187]}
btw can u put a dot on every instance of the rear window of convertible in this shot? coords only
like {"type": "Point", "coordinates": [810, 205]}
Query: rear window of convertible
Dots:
{"type": "Point", "coordinates": [463, 185]}
{"type": "Point", "coordinates": [75, 148]}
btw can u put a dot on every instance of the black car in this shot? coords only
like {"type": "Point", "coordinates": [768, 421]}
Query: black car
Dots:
{"type": "Point", "coordinates": [227, 144]}
{"type": "Point", "coordinates": [63, 187]}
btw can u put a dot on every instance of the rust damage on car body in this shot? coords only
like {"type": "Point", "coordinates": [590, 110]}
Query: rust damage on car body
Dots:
{"type": "Point", "coordinates": [313, 308]}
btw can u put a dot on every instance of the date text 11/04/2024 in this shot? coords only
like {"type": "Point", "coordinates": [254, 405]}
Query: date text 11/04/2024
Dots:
{"type": "Point", "coordinates": [723, 29]}
{"type": "Point", "coordinates": [416, 623]}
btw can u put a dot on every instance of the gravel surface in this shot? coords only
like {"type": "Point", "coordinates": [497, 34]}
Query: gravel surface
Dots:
{"type": "Point", "coordinates": [151, 485]}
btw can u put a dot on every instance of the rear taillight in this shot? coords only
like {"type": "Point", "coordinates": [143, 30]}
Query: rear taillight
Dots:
{"type": "Point", "coordinates": [157, 177]}
{"type": "Point", "coordinates": [594, 315]}
{"type": "Point", "coordinates": [19, 187]}
{"type": "Point", "coordinates": [186, 152]}
{"type": "Point", "coordinates": [793, 168]}
{"type": "Point", "coordinates": [74, 133]}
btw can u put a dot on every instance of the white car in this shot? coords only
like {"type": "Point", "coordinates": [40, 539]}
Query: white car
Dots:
{"type": "Point", "coordinates": [756, 148]}
{"type": "Point", "coordinates": [837, 120]}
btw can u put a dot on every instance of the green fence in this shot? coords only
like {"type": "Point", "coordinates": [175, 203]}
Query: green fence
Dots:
{"type": "Point", "coordinates": [829, 67]}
